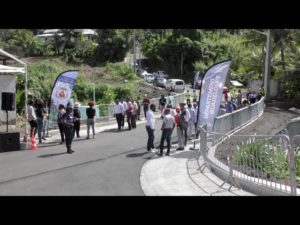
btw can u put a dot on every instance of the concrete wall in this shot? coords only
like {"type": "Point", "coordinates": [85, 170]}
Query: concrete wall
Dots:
{"type": "Point", "coordinates": [293, 128]}
{"type": "Point", "coordinates": [255, 85]}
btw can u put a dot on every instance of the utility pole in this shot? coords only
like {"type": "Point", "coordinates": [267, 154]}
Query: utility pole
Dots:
{"type": "Point", "coordinates": [134, 52]}
{"type": "Point", "coordinates": [181, 65]}
{"type": "Point", "coordinates": [267, 74]}
{"type": "Point", "coordinates": [94, 96]}
{"type": "Point", "coordinates": [140, 61]}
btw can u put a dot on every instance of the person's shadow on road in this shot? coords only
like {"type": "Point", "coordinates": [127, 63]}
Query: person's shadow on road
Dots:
{"type": "Point", "coordinates": [51, 155]}
{"type": "Point", "coordinates": [132, 155]}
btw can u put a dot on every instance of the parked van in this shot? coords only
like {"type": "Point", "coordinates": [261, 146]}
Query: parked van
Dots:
{"type": "Point", "coordinates": [175, 85]}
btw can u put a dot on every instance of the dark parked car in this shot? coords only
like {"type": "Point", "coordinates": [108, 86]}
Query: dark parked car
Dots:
{"type": "Point", "coordinates": [160, 82]}
{"type": "Point", "coordinates": [161, 73]}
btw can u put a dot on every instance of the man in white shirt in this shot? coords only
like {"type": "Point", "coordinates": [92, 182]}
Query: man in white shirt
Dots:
{"type": "Point", "coordinates": [118, 113]}
{"type": "Point", "coordinates": [150, 122]}
{"type": "Point", "coordinates": [191, 121]}
{"type": "Point", "coordinates": [134, 114]}
{"type": "Point", "coordinates": [167, 129]}
{"type": "Point", "coordinates": [129, 113]}
{"type": "Point", "coordinates": [124, 103]}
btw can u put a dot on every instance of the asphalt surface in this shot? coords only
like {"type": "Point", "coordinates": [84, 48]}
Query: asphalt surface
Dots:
{"type": "Point", "coordinates": [110, 164]}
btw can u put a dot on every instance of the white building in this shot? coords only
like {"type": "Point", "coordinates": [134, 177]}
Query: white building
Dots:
{"type": "Point", "coordinates": [49, 35]}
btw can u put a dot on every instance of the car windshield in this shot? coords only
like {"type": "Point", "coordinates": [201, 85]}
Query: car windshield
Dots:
{"type": "Point", "coordinates": [179, 83]}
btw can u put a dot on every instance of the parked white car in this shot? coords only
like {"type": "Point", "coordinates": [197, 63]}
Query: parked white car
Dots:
{"type": "Point", "coordinates": [175, 85]}
{"type": "Point", "coordinates": [149, 78]}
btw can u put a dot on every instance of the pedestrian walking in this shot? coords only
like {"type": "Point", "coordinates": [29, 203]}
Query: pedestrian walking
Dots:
{"type": "Point", "coordinates": [129, 113]}
{"type": "Point", "coordinates": [179, 129]}
{"type": "Point", "coordinates": [191, 121]}
{"type": "Point", "coordinates": [60, 122]}
{"type": "Point", "coordinates": [146, 103]}
{"type": "Point", "coordinates": [118, 113]}
{"type": "Point", "coordinates": [77, 115]}
{"type": "Point", "coordinates": [45, 125]}
{"type": "Point", "coordinates": [162, 103]}
{"type": "Point", "coordinates": [32, 119]}
{"type": "Point", "coordinates": [90, 112]}
{"type": "Point", "coordinates": [167, 129]}
{"type": "Point", "coordinates": [40, 114]}
{"type": "Point", "coordinates": [138, 102]}
{"type": "Point", "coordinates": [150, 123]}
{"type": "Point", "coordinates": [188, 97]}
{"type": "Point", "coordinates": [124, 103]}
{"type": "Point", "coordinates": [68, 123]}
{"type": "Point", "coordinates": [134, 114]}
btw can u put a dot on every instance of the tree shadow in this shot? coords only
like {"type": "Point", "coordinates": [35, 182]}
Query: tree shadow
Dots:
{"type": "Point", "coordinates": [51, 155]}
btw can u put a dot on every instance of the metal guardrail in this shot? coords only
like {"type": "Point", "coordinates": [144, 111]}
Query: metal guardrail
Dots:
{"type": "Point", "coordinates": [106, 110]}
{"type": "Point", "coordinates": [262, 164]}
{"type": "Point", "coordinates": [231, 122]}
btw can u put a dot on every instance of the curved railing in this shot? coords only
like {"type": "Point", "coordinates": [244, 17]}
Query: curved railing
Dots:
{"type": "Point", "coordinates": [261, 164]}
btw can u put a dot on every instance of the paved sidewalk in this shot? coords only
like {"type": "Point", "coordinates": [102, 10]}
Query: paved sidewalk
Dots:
{"type": "Point", "coordinates": [179, 174]}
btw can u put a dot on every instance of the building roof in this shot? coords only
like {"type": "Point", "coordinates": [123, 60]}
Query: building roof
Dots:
{"type": "Point", "coordinates": [10, 69]}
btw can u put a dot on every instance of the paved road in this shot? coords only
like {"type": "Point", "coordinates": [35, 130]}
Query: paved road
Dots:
{"type": "Point", "coordinates": [108, 165]}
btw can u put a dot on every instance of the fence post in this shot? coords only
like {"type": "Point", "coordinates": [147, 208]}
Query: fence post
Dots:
{"type": "Point", "coordinates": [203, 147]}
{"type": "Point", "coordinates": [292, 169]}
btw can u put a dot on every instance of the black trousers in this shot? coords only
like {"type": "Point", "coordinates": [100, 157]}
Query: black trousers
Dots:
{"type": "Point", "coordinates": [166, 135]}
{"type": "Point", "coordinates": [77, 128]}
{"type": "Point", "coordinates": [123, 120]}
{"type": "Point", "coordinates": [150, 142]}
{"type": "Point", "coordinates": [61, 130]}
{"type": "Point", "coordinates": [69, 133]}
{"type": "Point", "coordinates": [185, 136]}
{"type": "Point", "coordinates": [119, 117]}
{"type": "Point", "coordinates": [145, 111]}
{"type": "Point", "coordinates": [138, 114]}
{"type": "Point", "coordinates": [129, 114]}
{"type": "Point", "coordinates": [133, 120]}
{"type": "Point", "coordinates": [33, 127]}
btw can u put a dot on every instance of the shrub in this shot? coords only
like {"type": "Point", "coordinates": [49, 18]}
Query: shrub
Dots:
{"type": "Point", "coordinates": [264, 156]}
{"type": "Point", "coordinates": [121, 70]}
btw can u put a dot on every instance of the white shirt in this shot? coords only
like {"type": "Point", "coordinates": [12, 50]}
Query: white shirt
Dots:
{"type": "Point", "coordinates": [134, 108]}
{"type": "Point", "coordinates": [31, 113]}
{"type": "Point", "coordinates": [192, 115]}
{"type": "Point", "coordinates": [125, 106]}
{"type": "Point", "coordinates": [150, 120]}
{"type": "Point", "coordinates": [187, 115]}
{"type": "Point", "coordinates": [168, 121]}
{"type": "Point", "coordinates": [118, 108]}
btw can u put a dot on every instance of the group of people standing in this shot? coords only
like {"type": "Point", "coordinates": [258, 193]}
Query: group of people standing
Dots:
{"type": "Point", "coordinates": [37, 118]}
{"type": "Point", "coordinates": [68, 121]}
{"type": "Point", "coordinates": [129, 109]}
{"type": "Point", "coordinates": [179, 117]}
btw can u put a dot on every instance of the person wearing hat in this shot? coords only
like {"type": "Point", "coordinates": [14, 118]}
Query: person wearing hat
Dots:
{"type": "Point", "coordinates": [69, 121]}
{"type": "Point", "coordinates": [77, 115]}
